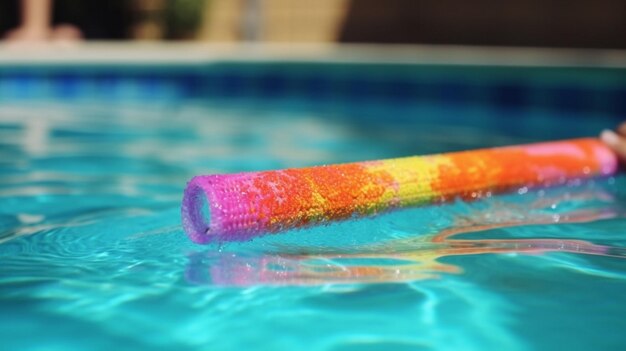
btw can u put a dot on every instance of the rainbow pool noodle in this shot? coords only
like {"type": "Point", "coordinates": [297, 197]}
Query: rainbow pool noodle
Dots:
{"type": "Point", "coordinates": [241, 206]}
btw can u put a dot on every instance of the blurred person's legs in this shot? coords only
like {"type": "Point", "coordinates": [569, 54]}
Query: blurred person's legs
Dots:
{"type": "Point", "coordinates": [64, 20]}
{"type": "Point", "coordinates": [35, 21]}
{"type": "Point", "coordinates": [36, 24]}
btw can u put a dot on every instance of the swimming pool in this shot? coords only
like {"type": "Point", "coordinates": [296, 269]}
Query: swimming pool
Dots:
{"type": "Point", "coordinates": [94, 157]}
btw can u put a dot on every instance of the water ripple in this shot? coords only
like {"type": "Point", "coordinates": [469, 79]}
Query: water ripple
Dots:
{"type": "Point", "coordinates": [91, 243]}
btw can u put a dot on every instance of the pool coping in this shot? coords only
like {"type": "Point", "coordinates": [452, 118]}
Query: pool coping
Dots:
{"type": "Point", "coordinates": [188, 53]}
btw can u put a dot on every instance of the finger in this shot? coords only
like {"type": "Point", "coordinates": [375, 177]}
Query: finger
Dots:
{"type": "Point", "coordinates": [615, 142]}
{"type": "Point", "coordinates": [622, 129]}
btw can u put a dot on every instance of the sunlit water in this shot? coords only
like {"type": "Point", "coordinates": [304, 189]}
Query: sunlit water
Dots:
{"type": "Point", "coordinates": [93, 257]}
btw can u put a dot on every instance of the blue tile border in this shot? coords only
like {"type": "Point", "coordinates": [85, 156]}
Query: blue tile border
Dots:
{"type": "Point", "coordinates": [566, 90]}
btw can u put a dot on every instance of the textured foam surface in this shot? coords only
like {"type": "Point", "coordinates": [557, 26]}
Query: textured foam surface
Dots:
{"type": "Point", "coordinates": [240, 206]}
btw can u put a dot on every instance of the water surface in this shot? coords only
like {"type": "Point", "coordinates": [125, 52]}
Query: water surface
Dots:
{"type": "Point", "coordinates": [94, 258]}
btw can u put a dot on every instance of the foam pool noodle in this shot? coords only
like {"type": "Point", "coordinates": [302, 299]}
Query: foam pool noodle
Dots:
{"type": "Point", "coordinates": [235, 207]}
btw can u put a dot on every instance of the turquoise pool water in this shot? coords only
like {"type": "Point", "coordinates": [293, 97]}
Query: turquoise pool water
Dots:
{"type": "Point", "coordinates": [93, 256]}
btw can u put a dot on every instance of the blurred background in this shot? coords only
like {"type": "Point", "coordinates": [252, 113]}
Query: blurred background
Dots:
{"type": "Point", "coordinates": [550, 23]}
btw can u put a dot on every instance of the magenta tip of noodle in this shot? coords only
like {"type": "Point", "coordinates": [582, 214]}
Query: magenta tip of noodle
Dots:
{"type": "Point", "coordinates": [196, 212]}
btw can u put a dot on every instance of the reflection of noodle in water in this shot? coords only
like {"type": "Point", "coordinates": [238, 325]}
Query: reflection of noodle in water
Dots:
{"type": "Point", "coordinates": [377, 268]}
